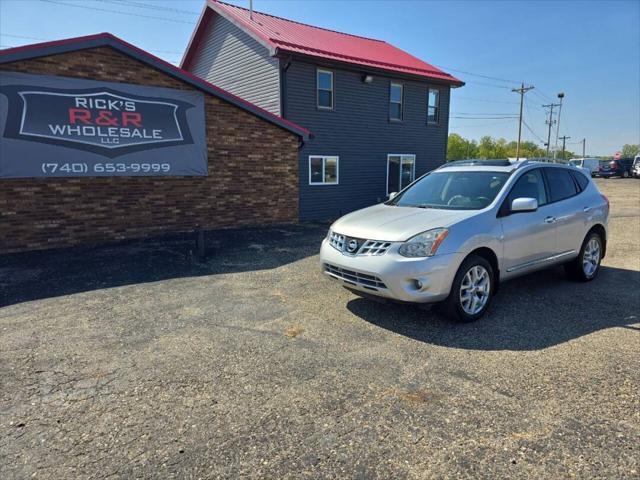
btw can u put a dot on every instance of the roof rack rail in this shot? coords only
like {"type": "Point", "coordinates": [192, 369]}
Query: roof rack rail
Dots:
{"type": "Point", "coordinates": [522, 163]}
{"type": "Point", "coordinates": [476, 163]}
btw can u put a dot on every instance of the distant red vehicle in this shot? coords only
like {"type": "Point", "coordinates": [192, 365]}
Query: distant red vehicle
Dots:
{"type": "Point", "coordinates": [616, 168]}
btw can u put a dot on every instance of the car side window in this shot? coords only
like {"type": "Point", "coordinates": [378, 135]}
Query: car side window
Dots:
{"type": "Point", "coordinates": [581, 179]}
{"type": "Point", "coordinates": [561, 185]}
{"type": "Point", "coordinates": [529, 185]}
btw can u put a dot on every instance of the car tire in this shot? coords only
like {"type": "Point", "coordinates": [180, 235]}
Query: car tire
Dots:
{"type": "Point", "coordinates": [472, 279]}
{"type": "Point", "coordinates": [586, 265]}
{"type": "Point", "coordinates": [625, 174]}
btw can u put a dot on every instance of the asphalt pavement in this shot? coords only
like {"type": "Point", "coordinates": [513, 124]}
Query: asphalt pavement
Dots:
{"type": "Point", "coordinates": [141, 360]}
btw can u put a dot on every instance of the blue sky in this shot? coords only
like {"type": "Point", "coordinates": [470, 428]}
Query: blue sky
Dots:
{"type": "Point", "coordinates": [590, 50]}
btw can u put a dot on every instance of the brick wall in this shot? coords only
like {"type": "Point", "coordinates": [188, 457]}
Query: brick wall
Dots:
{"type": "Point", "coordinates": [253, 175]}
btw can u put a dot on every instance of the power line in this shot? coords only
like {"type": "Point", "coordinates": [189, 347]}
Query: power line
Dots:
{"type": "Point", "coordinates": [473, 82]}
{"type": "Point", "coordinates": [147, 6]}
{"type": "Point", "coordinates": [483, 118]}
{"type": "Point", "coordinates": [484, 100]}
{"type": "Point", "coordinates": [21, 36]}
{"type": "Point", "coordinates": [565, 127]}
{"type": "Point", "coordinates": [534, 133]}
{"type": "Point", "coordinates": [150, 7]}
{"type": "Point", "coordinates": [543, 97]}
{"type": "Point", "coordinates": [117, 11]}
{"type": "Point", "coordinates": [526, 104]}
{"type": "Point", "coordinates": [488, 77]}
{"type": "Point", "coordinates": [142, 5]}
{"type": "Point", "coordinates": [175, 61]}
{"type": "Point", "coordinates": [453, 127]}
{"type": "Point", "coordinates": [48, 40]}
{"type": "Point", "coordinates": [180, 53]}
{"type": "Point", "coordinates": [483, 113]}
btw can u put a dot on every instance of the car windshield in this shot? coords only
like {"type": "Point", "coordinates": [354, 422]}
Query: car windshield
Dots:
{"type": "Point", "coordinates": [462, 190]}
{"type": "Point", "coordinates": [577, 163]}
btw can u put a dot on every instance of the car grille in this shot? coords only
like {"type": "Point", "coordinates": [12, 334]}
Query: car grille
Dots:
{"type": "Point", "coordinates": [336, 240]}
{"type": "Point", "coordinates": [354, 278]}
{"type": "Point", "coordinates": [343, 244]}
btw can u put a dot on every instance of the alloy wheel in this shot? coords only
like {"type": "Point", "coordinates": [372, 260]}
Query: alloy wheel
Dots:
{"type": "Point", "coordinates": [591, 257]}
{"type": "Point", "coordinates": [475, 290]}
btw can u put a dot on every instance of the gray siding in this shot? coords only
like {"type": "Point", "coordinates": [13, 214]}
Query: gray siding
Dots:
{"type": "Point", "coordinates": [358, 130]}
{"type": "Point", "coordinates": [234, 61]}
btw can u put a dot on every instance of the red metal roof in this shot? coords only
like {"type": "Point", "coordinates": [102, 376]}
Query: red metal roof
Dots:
{"type": "Point", "coordinates": [299, 38]}
{"type": "Point", "coordinates": [56, 47]}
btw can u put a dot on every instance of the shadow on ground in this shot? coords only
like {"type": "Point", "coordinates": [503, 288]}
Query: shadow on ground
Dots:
{"type": "Point", "coordinates": [45, 274]}
{"type": "Point", "coordinates": [529, 313]}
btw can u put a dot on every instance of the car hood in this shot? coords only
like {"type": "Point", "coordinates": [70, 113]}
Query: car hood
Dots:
{"type": "Point", "coordinates": [396, 224]}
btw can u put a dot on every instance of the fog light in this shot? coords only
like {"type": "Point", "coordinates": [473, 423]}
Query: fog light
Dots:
{"type": "Point", "coordinates": [418, 284]}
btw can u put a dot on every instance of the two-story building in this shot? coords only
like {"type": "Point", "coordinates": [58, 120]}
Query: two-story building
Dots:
{"type": "Point", "coordinates": [379, 115]}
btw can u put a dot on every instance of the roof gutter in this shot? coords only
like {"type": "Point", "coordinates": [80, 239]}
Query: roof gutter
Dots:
{"type": "Point", "coordinates": [284, 53]}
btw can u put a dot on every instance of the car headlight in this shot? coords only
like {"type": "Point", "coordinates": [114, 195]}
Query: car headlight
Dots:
{"type": "Point", "coordinates": [424, 244]}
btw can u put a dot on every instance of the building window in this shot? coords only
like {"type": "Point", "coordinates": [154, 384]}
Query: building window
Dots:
{"type": "Point", "coordinates": [401, 171]}
{"type": "Point", "coordinates": [325, 89]}
{"type": "Point", "coordinates": [433, 107]}
{"type": "Point", "coordinates": [395, 101]}
{"type": "Point", "coordinates": [323, 170]}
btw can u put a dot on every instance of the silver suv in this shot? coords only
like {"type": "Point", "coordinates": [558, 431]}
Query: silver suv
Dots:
{"type": "Point", "coordinates": [455, 233]}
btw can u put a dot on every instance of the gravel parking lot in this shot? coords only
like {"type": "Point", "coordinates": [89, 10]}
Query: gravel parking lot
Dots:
{"type": "Point", "coordinates": [138, 360]}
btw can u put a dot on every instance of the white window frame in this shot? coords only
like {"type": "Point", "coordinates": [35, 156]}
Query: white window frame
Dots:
{"type": "Point", "coordinates": [324, 163]}
{"type": "Point", "coordinates": [413, 169]}
{"type": "Point", "coordinates": [322, 107]}
{"type": "Point", "coordinates": [437, 121]}
{"type": "Point", "coordinates": [401, 85]}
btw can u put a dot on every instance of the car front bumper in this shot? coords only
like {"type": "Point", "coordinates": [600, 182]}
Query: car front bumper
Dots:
{"type": "Point", "coordinates": [391, 275]}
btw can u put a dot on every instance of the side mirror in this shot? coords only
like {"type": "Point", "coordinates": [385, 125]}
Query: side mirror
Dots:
{"type": "Point", "coordinates": [392, 195]}
{"type": "Point", "coordinates": [524, 205]}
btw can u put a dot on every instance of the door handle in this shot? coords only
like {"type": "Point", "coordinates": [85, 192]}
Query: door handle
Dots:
{"type": "Point", "coordinates": [586, 209]}
{"type": "Point", "coordinates": [550, 220]}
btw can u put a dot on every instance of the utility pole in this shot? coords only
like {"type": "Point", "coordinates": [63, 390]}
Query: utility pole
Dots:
{"type": "Point", "coordinates": [560, 96]}
{"type": "Point", "coordinates": [522, 90]}
{"type": "Point", "coordinates": [564, 141]}
{"type": "Point", "coordinates": [551, 121]}
{"type": "Point", "coordinates": [584, 144]}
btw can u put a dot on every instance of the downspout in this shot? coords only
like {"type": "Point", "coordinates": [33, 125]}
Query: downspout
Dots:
{"type": "Point", "coordinates": [283, 92]}
{"type": "Point", "coordinates": [285, 64]}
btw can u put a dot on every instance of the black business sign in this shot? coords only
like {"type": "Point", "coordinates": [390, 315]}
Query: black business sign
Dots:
{"type": "Point", "coordinates": [67, 127]}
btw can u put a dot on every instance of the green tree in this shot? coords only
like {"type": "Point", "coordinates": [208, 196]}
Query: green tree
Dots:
{"type": "Point", "coordinates": [486, 147]}
{"type": "Point", "coordinates": [630, 151]}
{"type": "Point", "coordinates": [456, 147]}
{"type": "Point", "coordinates": [472, 145]}
{"type": "Point", "coordinates": [459, 148]}
{"type": "Point", "coordinates": [501, 149]}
